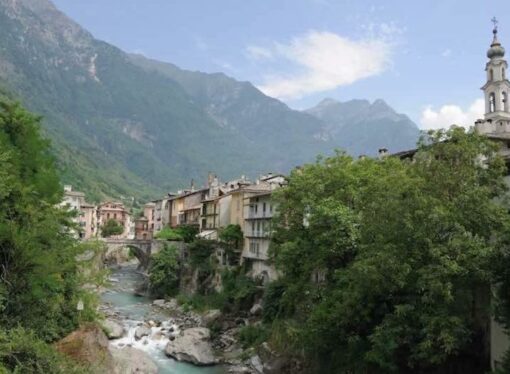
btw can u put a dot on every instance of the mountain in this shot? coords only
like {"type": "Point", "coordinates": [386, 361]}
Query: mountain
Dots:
{"type": "Point", "coordinates": [127, 126]}
{"type": "Point", "coordinates": [361, 127]}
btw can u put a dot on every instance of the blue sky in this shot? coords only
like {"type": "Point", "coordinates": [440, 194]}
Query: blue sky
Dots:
{"type": "Point", "coordinates": [425, 58]}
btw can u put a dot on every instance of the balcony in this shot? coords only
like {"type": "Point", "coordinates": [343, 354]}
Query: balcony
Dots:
{"type": "Point", "coordinates": [257, 234]}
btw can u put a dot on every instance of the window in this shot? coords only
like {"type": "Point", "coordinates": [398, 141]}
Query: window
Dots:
{"type": "Point", "coordinates": [504, 101]}
{"type": "Point", "coordinates": [492, 102]}
{"type": "Point", "coordinates": [503, 73]}
{"type": "Point", "coordinates": [107, 215]}
{"type": "Point", "coordinates": [491, 74]}
{"type": "Point", "coordinates": [264, 207]}
{"type": "Point", "coordinates": [115, 216]}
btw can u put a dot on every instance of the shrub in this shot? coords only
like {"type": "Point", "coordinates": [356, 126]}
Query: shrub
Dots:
{"type": "Point", "coordinates": [22, 352]}
{"type": "Point", "coordinates": [169, 234]}
{"type": "Point", "coordinates": [252, 336]}
{"type": "Point", "coordinates": [272, 301]}
{"type": "Point", "coordinates": [110, 228]}
{"type": "Point", "coordinates": [164, 272]}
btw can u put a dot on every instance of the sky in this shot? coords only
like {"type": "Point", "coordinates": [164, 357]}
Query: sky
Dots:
{"type": "Point", "coordinates": [425, 58]}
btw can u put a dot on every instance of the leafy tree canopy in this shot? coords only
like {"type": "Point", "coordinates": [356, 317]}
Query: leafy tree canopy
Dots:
{"type": "Point", "coordinates": [387, 263]}
{"type": "Point", "coordinates": [110, 228]}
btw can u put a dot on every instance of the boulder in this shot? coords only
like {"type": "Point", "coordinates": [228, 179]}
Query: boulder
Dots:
{"type": "Point", "coordinates": [256, 309]}
{"type": "Point", "coordinates": [142, 331]}
{"type": "Point", "coordinates": [192, 346]}
{"type": "Point", "coordinates": [112, 329]}
{"type": "Point", "coordinates": [211, 316]}
{"type": "Point", "coordinates": [159, 302]}
{"type": "Point", "coordinates": [129, 360]}
{"type": "Point", "coordinates": [171, 304]}
{"type": "Point", "coordinates": [256, 363]}
{"type": "Point", "coordinates": [89, 347]}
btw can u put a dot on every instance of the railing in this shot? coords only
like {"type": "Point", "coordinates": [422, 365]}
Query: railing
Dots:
{"type": "Point", "coordinates": [255, 215]}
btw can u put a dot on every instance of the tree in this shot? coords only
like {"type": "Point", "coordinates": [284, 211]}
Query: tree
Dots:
{"type": "Point", "coordinates": [39, 276]}
{"type": "Point", "coordinates": [164, 272]}
{"type": "Point", "coordinates": [110, 228]}
{"type": "Point", "coordinates": [232, 236]}
{"type": "Point", "coordinates": [387, 263]}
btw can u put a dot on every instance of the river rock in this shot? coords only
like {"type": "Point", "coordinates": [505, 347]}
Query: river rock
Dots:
{"type": "Point", "coordinates": [211, 316]}
{"type": "Point", "coordinates": [88, 346]}
{"type": "Point", "coordinates": [130, 360]}
{"type": "Point", "coordinates": [112, 329]}
{"type": "Point", "coordinates": [256, 363]}
{"type": "Point", "coordinates": [192, 346]}
{"type": "Point", "coordinates": [159, 302]}
{"type": "Point", "coordinates": [142, 331]}
{"type": "Point", "coordinates": [171, 304]}
{"type": "Point", "coordinates": [256, 309]}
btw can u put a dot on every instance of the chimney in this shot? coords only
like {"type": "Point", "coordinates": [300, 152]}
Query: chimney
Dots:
{"type": "Point", "coordinates": [210, 179]}
{"type": "Point", "coordinates": [383, 152]}
{"type": "Point", "coordinates": [192, 185]}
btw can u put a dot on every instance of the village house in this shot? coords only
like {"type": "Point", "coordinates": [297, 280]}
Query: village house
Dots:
{"type": "Point", "coordinates": [85, 213]}
{"type": "Point", "coordinates": [142, 231]}
{"type": "Point", "coordinates": [116, 211]}
{"type": "Point", "coordinates": [88, 221]}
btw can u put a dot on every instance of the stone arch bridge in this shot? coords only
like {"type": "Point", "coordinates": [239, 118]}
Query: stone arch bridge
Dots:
{"type": "Point", "coordinates": [142, 249]}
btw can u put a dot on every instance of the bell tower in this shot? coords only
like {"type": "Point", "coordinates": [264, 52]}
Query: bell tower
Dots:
{"type": "Point", "coordinates": [497, 89]}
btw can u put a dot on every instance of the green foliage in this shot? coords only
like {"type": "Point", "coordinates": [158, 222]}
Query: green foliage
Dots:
{"type": "Point", "coordinates": [188, 232]}
{"type": "Point", "coordinates": [231, 236]}
{"type": "Point", "coordinates": [252, 336]}
{"type": "Point", "coordinates": [200, 252]}
{"type": "Point", "coordinates": [169, 234]}
{"type": "Point", "coordinates": [164, 272]}
{"type": "Point", "coordinates": [200, 302]}
{"type": "Point", "coordinates": [21, 351]}
{"type": "Point", "coordinates": [39, 275]}
{"type": "Point", "coordinates": [239, 290]}
{"type": "Point", "coordinates": [272, 296]}
{"type": "Point", "coordinates": [39, 286]}
{"type": "Point", "coordinates": [185, 233]}
{"type": "Point", "coordinates": [110, 228]}
{"type": "Point", "coordinates": [387, 263]}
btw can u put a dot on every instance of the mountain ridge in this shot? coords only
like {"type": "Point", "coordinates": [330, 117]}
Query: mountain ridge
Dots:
{"type": "Point", "coordinates": [128, 126]}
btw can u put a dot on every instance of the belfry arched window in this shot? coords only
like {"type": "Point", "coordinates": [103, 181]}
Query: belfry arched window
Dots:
{"type": "Point", "coordinates": [504, 101]}
{"type": "Point", "coordinates": [503, 73]}
{"type": "Point", "coordinates": [491, 75]}
{"type": "Point", "coordinates": [492, 102]}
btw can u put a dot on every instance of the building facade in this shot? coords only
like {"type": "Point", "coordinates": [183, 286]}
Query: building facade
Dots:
{"type": "Point", "coordinates": [116, 211]}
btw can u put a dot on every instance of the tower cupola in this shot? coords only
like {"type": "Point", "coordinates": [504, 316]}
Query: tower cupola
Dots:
{"type": "Point", "coordinates": [496, 50]}
{"type": "Point", "coordinates": [496, 89]}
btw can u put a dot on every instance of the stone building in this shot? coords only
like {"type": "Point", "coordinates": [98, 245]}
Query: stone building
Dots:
{"type": "Point", "coordinates": [85, 217]}
{"type": "Point", "coordinates": [116, 211]}
{"type": "Point", "coordinates": [142, 231]}
{"type": "Point", "coordinates": [88, 221]}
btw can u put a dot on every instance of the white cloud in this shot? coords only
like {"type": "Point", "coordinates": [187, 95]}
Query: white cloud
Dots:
{"type": "Point", "coordinates": [321, 61]}
{"type": "Point", "coordinates": [449, 115]}
{"type": "Point", "coordinates": [258, 53]}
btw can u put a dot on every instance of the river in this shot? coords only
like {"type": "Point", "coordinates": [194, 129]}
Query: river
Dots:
{"type": "Point", "coordinates": [133, 310]}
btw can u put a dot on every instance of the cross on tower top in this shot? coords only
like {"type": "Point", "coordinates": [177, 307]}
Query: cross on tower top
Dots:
{"type": "Point", "coordinates": [494, 20]}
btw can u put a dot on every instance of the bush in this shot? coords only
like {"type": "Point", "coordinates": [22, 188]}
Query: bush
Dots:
{"type": "Point", "coordinates": [170, 234]}
{"type": "Point", "coordinates": [164, 272]}
{"type": "Point", "coordinates": [239, 290]}
{"type": "Point", "coordinates": [185, 233]}
{"type": "Point", "coordinates": [110, 228]}
{"type": "Point", "coordinates": [22, 352]}
{"type": "Point", "coordinates": [252, 336]}
{"type": "Point", "coordinates": [272, 301]}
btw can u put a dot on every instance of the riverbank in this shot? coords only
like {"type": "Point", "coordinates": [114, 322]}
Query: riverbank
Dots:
{"type": "Point", "coordinates": [146, 326]}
